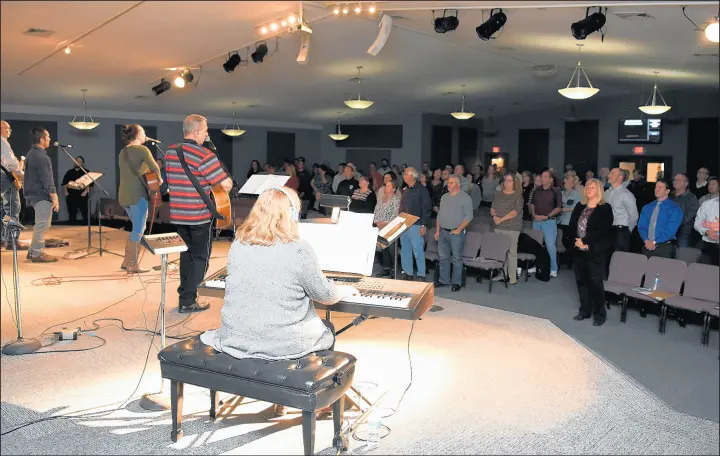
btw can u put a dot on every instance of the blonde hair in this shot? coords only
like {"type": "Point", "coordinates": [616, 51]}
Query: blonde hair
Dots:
{"type": "Point", "coordinates": [599, 189]}
{"type": "Point", "coordinates": [270, 220]}
{"type": "Point", "coordinates": [291, 169]}
{"type": "Point", "coordinates": [193, 122]}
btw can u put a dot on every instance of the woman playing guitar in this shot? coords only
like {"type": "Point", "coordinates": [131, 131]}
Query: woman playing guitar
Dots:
{"type": "Point", "coordinates": [139, 186]}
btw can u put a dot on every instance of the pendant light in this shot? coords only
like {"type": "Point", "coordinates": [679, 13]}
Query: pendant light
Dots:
{"type": "Point", "coordinates": [462, 114]}
{"type": "Point", "coordinates": [578, 92]}
{"type": "Point", "coordinates": [235, 130]}
{"type": "Point", "coordinates": [338, 135]}
{"type": "Point", "coordinates": [651, 108]}
{"type": "Point", "coordinates": [712, 31]}
{"type": "Point", "coordinates": [359, 103]}
{"type": "Point", "coordinates": [84, 124]}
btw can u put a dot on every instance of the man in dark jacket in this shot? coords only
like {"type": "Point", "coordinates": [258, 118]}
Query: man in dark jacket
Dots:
{"type": "Point", "coordinates": [415, 201]}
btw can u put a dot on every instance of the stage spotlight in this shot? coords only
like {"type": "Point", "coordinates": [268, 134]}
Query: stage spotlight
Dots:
{"type": "Point", "coordinates": [273, 26]}
{"type": "Point", "coordinates": [292, 19]}
{"type": "Point", "coordinates": [283, 23]}
{"type": "Point", "coordinates": [186, 77]}
{"type": "Point", "coordinates": [487, 29]}
{"type": "Point", "coordinates": [358, 9]}
{"type": "Point", "coordinates": [260, 53]}
{"type": "Point", "coordinates": [446, 23]}
{"type": "Point", "coordinates": [371, 10]}
{"type": "Point", "coordinates": [336, 10]}
{"type": "Point", "coordinates": [67, 50]}
{"type": "Point", "coordinates": [592, 23]}
{"type": "Point", "coordinates": [345, 10]}
{"type": "Point", "coordinates": [264, 30]}
{"type": "Point", "coordinates": [232, 62]}
{"type": "Point", "coordinates": [164, 86]}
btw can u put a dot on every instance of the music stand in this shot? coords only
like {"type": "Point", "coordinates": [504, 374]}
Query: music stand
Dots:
{"type": "Point", "coordinates": [86, 181]}
{"type": "Point", "coordinates": [391, 234]}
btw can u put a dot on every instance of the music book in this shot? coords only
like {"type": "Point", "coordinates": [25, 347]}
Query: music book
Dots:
{"type": "Point", "coordinates": [342, 248]}
{"type": "Point", "coordinates": [258, 183]}
{"type": "Point", "coordinates": [655, 294]}
{"type": "Point", "coordinates": [395, 229]}
{"type": "Point", "coordinates": [84, 181]}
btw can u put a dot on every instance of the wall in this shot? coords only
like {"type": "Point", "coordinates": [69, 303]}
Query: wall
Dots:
{"type": "Point", "coordinates": [98, 146]}
{"type": "Point", "coordinates": [608, 111]}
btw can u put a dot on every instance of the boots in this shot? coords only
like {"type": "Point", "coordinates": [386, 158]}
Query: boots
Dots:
{"type": "Point", "coordinates": [128, 255]}
{"type": "Point", "coordinates": [132, 255]}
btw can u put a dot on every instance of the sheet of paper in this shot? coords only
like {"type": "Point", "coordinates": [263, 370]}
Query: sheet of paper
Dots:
{"type": "Point", "coordinates": [355, 219]}
{"type": "Point", "coordinates": [339, 248]}
{"type": "Point", "coordinates": [258, 183]}
{"type": "Point", "coordinates": [393, 229]}
{"type": "Point", "coordinates": [85, 181]}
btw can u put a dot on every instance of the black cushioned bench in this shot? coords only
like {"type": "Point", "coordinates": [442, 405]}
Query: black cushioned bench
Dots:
{"type": "Point", "coordinates": [309, 383]}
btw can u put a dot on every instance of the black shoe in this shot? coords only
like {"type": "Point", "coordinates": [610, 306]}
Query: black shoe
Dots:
{"type": "Point", "coordinates": [440, 284]}
{"type": "Point", "coordinates": [598, 322]}
{"type": "Point", "coordinates": [455, 288]}
{"type": "Point", "coordinates": [404, 276]}
{"type": "Point", "coordinates": [420, 278]}
{"type": "Point", "coordinates": [385, 273]}
{"type": "Point", "coordinates": [194, 307]}
{"type": "Point", "coordinates": [580, 317]}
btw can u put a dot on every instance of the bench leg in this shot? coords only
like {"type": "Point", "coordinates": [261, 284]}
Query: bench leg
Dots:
{"type": "Point", "coordinates": [340, 443]}
{"type": "Point", "coordinates": [176, 403]}
{"type": "Point", "coordinates": [308, 429]}
{"type": "Point", "coordinates": [214, 405]}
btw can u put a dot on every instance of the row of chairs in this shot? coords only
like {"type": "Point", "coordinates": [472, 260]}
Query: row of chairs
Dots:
{"type": "Point", "coordinates": [695, 287]}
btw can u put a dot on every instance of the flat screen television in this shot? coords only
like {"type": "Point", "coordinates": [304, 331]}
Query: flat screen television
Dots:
{"type": "Point", "coordinates": [640, 131]}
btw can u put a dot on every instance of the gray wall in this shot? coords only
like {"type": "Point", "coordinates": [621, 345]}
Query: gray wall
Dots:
{"type": "Point", "coordinates": [98, 146]}
{"type": "Point", "coordinates": [608, 111]}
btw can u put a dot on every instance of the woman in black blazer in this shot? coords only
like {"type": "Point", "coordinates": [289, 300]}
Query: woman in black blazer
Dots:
{"type": "Point", "coordinates": [591, 226]}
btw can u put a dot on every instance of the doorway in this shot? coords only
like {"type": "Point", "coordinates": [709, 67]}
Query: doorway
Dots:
{"type": "Point", "coordinates": [651, 167]}
{"type": "Point", "coordinates": [499, 159]}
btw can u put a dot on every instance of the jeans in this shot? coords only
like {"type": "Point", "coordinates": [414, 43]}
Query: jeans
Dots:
{"type": "Point", "coordinates": [138, 214]}
{"type": "Point", "coordinates": [10, 203]}
{"type": "Point", "coordinates": [194, 261]}
{"type": "Point", "coordinates": [43, 219]}
{"type": "Point", "coordinates": [451, 245]}
{"type": "Point", "coordinates": [412, 244]}
{"type": "Point", "coordinates": [549, 229]}
{"type": "Point", "coordinates": [589, 275]}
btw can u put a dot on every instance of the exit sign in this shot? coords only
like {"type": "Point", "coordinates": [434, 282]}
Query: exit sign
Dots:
{"type": "Point", "coordinates": [496, 149]}
{"type": "Point", "coordinates": [638, 150]}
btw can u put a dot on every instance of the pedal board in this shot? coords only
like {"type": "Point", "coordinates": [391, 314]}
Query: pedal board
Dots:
{"type": "Point", "coordinates": [160, 244]}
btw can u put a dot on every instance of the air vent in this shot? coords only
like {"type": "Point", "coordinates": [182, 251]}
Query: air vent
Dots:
{"type": "Point", "coordinates": [630, 15]}
{"type": "Point", "coordinates": [707, 55]}
{"type": "Point", "coordinates": [141, 97]}
{"type": "Point", "coordinates": [40, 33]}
{"type": "Point", "coordinates": [252, 106]}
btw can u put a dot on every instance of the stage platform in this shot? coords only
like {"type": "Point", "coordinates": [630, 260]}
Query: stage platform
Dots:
{"type": "Point", "coordinates": [484, 381]}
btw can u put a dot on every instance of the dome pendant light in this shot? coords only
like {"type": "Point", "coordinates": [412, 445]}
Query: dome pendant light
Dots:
{"type": "Point", "coordinates": [84, 124]}
{"type": "Point", "coordinates": [578, 92]}
{"type": "Point", "coordinates": [462, 114]}
{"type": "Point", "coordinates": [651, 108]}
{"type": "Point", "coordinates": [235, 130]}
{"type": "Point", "coordinates": [338, 135]}
{"type": "Point", "coordinates": [359, 103]}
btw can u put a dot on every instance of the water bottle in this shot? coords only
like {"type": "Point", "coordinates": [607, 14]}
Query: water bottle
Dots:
{"type": "Point", "coordinates": [656, 282]}
{"type": "Point", "coordinates": [374, 425]}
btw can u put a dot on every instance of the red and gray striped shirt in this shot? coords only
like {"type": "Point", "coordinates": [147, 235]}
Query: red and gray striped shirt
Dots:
{"type": "Point", "coordinates": [186, 205]}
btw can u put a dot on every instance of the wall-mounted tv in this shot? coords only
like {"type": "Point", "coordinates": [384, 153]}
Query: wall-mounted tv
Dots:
{"type": "Point", "coordinates": [640, 131]}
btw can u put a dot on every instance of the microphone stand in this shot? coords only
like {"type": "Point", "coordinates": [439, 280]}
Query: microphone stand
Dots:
{"type": "Point", "coordinates": [90, 249]}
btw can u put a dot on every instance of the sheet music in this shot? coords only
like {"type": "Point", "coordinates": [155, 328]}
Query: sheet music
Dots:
{"type": "Point", "coordinates": [392, 230]}
{"type": "Point", "coordinates": [339, 248]}
{"type": "Point", "coordinates": [84, 181]}
{"type": "Point", "coordinates": [355, 218]}
{"type": "Point", "coordinates": [258, 183]}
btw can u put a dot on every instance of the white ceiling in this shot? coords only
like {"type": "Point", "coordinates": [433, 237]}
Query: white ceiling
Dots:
{"type": "Point", "coordinates": [127, 56]}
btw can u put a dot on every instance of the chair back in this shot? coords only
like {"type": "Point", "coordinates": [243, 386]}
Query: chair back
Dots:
{"type": "Point", "coordinates": [559, 241]}
{"type": "Point", "coordinates": [431, 245]}
{"type": "Point", "coordinates": [537, 235]}
{"type": "Point", "coordinates": [495, 246]}
{"type": "Point", "coordinates": [702, 282]}
{"type": "Point", "coordinates": [628, 268]}
{"type": "Point", "coordinates": [672, 274]}
{"type": "Point", "coordinates": [473, 241]}
{"type": "Point", "coordinates": [688, 254]}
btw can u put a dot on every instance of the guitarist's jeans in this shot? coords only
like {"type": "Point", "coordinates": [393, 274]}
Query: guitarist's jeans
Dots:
{"type": "Point", "coordinates": [138, 214]}
{"type": "Point", "coordinates": [193, 262]}
{"type": "Point", "coordinates": [10, 203]}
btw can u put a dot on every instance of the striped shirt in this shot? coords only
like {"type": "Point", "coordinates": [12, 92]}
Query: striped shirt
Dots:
{"type": "Point", "coordinates": [186, 205]}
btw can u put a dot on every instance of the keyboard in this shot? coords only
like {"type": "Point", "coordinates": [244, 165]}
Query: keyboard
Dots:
{"type": "Point", "coordinates": [378, 297]}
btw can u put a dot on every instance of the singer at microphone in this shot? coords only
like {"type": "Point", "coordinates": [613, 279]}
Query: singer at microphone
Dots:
{"type": "Point", "coordinates": [67, 146]}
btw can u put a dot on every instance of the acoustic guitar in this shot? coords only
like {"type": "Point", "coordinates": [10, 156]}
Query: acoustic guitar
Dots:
{"type": "Point", "coordinates": [152, 185]}
{"type": "Point", "coordinates": [223, 206]}
{"type": "Point", "coordinates": [17, 178]}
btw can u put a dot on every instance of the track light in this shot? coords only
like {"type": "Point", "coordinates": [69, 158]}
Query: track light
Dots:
{"type": "Point", "coordinates": [712, 31]}
{"type": "Point", "coordinates": [446, 23]}
{"type": "Point", "coordinates": [164, 86]}
{"type": "Point", "coordinates": [260, 52]}
{"type": "Point", "coordinates": [264, 30]}
{"type": "Point", "coordinates": [592, 23]}
{"type": "Point", "coordinates": [371, 10]}
{"type": "Point", "coordinates": [232, 62]}
{"type": "Point", "coordinates": [273, 26]}
{"type": "Point", "coordinates": [358, 9]}
{"type": "Point", "coordinates": [336, 10]}
{"type": "Point", "coordinates": [292, 19]}
{"type": "Point", "coordinates": [67, 50]}
{"type": "Point", "coordinates": [186, 77]}
{"type": "Point", "coordinates": [283, 23]}
{"type": "Point", "coordinates": [487, 29]}
{"type": "Point", "coordinates": [345, 10]}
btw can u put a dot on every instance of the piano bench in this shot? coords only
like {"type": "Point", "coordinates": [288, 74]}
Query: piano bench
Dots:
{"type": "Point", "coordinates": [309, 383]}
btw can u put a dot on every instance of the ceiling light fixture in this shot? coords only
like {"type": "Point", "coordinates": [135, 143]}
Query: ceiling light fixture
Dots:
{"type": "Point", "coordinates": [358, 9]}
{"type": "Point", "coordinates": [487, 29]}
{"type": "Point", "coordinates": [273, 26]}
{"type": "Point", "coordinates": [372, 9]}
{"type": "Point", "coordinates": [462, 114]}
{"type": "Point", "coordinates": [164, 86]}
{"type": "Point", "coordinates": [84, 124]}
{"type": "Point", "coordinates": [359, 103]}
{"type": "Point", "coordinates": [592, 23]}
{"type": "Point", "coordinates": [336, 10]}
{"type": "Point", "coordinates": [712, 31]}
{"type": "Point", "coordinates": [261, 51]}
{"type": "Point", "coordinates": [264, 30]}
{"type": "Point", "coordinates": [446, 23]}
{"type": "Point", "coordinates": [292, 19]}
{"type": "Point", "coordinates": [578, 92]}
{"type": "Point", "coordinates": [345, 9]}
{"type": "Point", "coordinates": [338, 135]}
{"type": "Point", "coordinates": [235, 131]}
{"type": "Point", "coordinates": [186, 77]}
{"type": "Point", "coordinates": [651, 108]}
{"type": "Point", "coordinates": [232, 62]}
{"type": "Point", "coordinates": [284, 23]}
{"type": "Point", "coordinates": [67, 50]}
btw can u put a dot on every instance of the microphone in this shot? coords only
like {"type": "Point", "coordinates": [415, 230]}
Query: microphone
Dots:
{"type": "Point", "coordinates": [209, 144]}
{"type": "Point", "coordinates": [57, 144]}
{"type": "Point", "coordinates": [148, 139]}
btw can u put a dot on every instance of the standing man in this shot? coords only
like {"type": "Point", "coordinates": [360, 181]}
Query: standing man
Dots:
{"type": "Point", "coordinates": [604, 173]}
{"type": "Point", "coordinates": [659, 222]}
{"type": "Point", "coordinates": [460, 171]}
{"type": "Point", "coordinates": [384, 167]}
{"type": "Point", "coordinates": [76, 200]}
{"type": "Point", "coordinates": [40, 193]}
{"type": "Point", "coordinates": [10, 194]}
{"type": "Point", "coordinates": [187, 208]}
{"type": "Point", "coordinates": [706, 223]}
{"type": "Point", "coordinates": [700, 188]}
{"type": "Point", "coordinates": [338, 177]}
{"type": "Point", "coordinates": [625, 214]}
{"type": "Point", "coordinates": [545, 206]}
{"type": "Point", "coordinates": [688, 202]}
{"type": "Point", "coordinates": [426, 171]}
{"type": "Point", "coordinates": [305, 190]}
{"type": "Point", "coordinates": [415, 201]}
{"type": "Point", "coordinates": [456, 213]}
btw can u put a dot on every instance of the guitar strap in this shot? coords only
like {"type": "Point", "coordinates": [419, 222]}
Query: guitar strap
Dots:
{"type": "Point", "coordinates": [196, 183]}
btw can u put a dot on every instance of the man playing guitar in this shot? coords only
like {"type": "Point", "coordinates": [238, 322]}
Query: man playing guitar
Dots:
{"type": "Point", "coordinates": [188, 208]}
{"type": "Point", "coordinates": [9, 189]}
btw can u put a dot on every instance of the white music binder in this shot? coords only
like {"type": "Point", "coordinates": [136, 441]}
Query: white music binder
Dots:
{"type": "Point", "coordinates": [342, 248]}
{"type": "Point", "coordinates": [258, 183]}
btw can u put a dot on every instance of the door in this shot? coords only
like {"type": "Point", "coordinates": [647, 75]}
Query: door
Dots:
{"type": "Point", "coordinates": [280, 147]}
{"type": "Point", "coordinates": [362, 158]}
{"type": "Point", "coordinates": [581, 145]}
{"type": "Point", "coordinates": [533, 149]}
{"type": "Point", "coordinates": [468, 147]}
{"type": "Point", "coordinates": [702, 147]}
{"type": "Point", "coordinates": [651, 167]}
{"type": "Point", "coordinates": [499, 159]}
{"type": "Point", "coordinates": [440, 146]}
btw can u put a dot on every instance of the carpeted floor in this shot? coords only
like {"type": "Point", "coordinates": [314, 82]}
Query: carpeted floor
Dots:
{"type": "Point", "coordinates": [484, 380]}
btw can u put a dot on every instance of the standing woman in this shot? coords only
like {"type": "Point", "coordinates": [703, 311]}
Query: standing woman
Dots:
{"type": "Point", "coordinates": [134, 161]}
{"type": "Point", "coordinates": [591, 222]}
{"type": "Point", "coordinates": [386, 209]}
{"type": "Point", "coordinates": [489, 186]}
{"type": "Point", "coordinates": [527, 189]}
{"type": "Point", "coordinates": [254, 168]}
{"type": "Point", "coordinates": [294, 181]}
{"type": "Point", "coordinates": [322, 185]}
{"type": "Point", "coordinates": [507, 210]}
{"type": "Point", "coordinates": [570, 199]}
{"type": "Point", "coordinates": [426, 183]}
